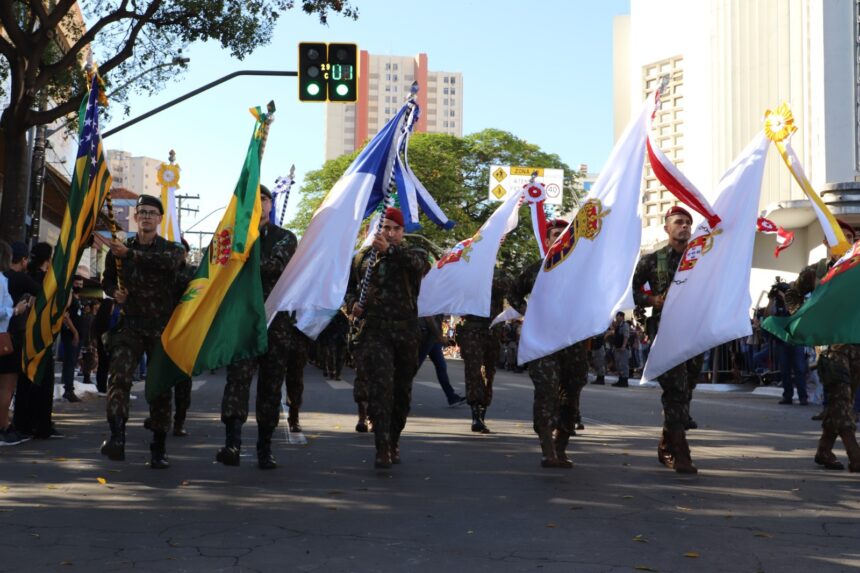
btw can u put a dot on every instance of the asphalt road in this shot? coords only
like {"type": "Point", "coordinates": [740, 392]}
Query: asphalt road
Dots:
{"type": "Point", "coordinates": [459, 501]}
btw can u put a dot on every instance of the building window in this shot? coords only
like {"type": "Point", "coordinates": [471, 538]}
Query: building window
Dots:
{"type": "Point", "coordinates": [387, 111]}
{"type": "Point", "coordinates": [388, 77]}
{"type": "Point", "coordinates": [445, 91]}
{"type": "Point", "coordinates": [395, 67]}
{"type": "Point", "coordinates": [453, 91]}
{"type": "Point", "coordinates": [444, 124]}
{"type": "Point", "coordinates": [453, 80]}
{"type": "Point", "coordinates": [453, 113]}
{"type": "Point", "coordinates": [387, 66]}
{"type": "Point", "coordinates": [387, 88]}
{"type": "Point", "coordinates": [445, 80]}
{"type": "Point", "coordinates": [395, 77]}
{"type": "Point", "coordinates": [453, 124]}
{"type": "Point", "coordinates": [445, 101]}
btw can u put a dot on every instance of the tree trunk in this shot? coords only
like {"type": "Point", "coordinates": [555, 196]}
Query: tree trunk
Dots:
{"type": "Point", "coordinates": [14, 209]}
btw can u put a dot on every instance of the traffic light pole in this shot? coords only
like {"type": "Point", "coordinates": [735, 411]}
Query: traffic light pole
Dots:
{"type": "Point", "coordinates": [193, 93]}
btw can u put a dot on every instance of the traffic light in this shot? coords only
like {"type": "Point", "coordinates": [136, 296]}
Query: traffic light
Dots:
{"type": "Point", "coordinates": [313, 61]}
{"type": "Point", "coordinates": [342, 72]}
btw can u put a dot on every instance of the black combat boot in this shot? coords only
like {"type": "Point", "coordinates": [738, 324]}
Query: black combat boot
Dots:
{"type": "Point", "coordinates": [600, 380]}
{"type": "Point", "coordinates": [265, 459]}
{"type": "Point", "coordinates": [561, 440]}
{"type": "Point", "coordinates": [484, 419]}
{"type": "Point", "coordinates": [114, 448]}
{"type": "Point", "coordinates": [622, 382]}
{"type": "Point", "coordinates": [477, 423]}
{"type": "Point", "coordinates": [824, 456]}
{"type": "Point", "coordinates": [158, 448]}
{"type": "Point", "coordinates": [229, 454]}
{"type": "Point", "coordinates": [362, 426]}
{"type": "Point", "coordinates": [293, 420]}
{"type": "Point", "coordinates": [664, 451]}
{"type": "Point", "coordinates": [681, 451]}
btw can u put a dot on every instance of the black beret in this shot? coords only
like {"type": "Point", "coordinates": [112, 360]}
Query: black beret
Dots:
{"type": "Point", "coordinates": [152, 201]}
{"type": "Point", "coordinates": [265, 191]}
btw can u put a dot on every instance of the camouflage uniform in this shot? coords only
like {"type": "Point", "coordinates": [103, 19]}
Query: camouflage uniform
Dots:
{"type": "Point", "coordinates": [657, 270]}
{"type": "Point", "coordinates": [679, 382]}
{"type": "Point", "coordinates": [598, 356]}
{"type": "Point", "coordinates": [277, 246]}
{"type": "Point", "coordinates": [558, 379]}
{"type": "Point", "coordinates": [387, 344]}
{"type": "Point", "coordinates": [480, 346]}
{"type": "Point", "coordinates": [838, 364]}
{"type": "Point", "coordinates": [145, 271]}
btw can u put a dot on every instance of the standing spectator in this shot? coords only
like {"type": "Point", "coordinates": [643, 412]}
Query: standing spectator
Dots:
{"type": "Point", "coordinates": [791, 358]}
{"type": "Point", "coordinates": [21, 287]}
{"type": "Point", "coordinates": [70, 337]}
{"type": "Point", "coordinates": [635, 345]}
{"type": "Point", "coordinates": [431, 345]}
{"type": "Point", "coordinates": [10, 360]}
{"type": "Point", "coordinates": [105, 319]}
{"type": "Point", "coordinates": [88, 357]}
{"type": "Point", "coordinates": [620, 335]}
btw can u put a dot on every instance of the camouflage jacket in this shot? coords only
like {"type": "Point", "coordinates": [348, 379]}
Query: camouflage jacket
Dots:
{"type": "Point", "coordinates": [806, 282]}
{"type": "Point", "coordinates": [523, 285]}
{"type": "Point", "coordinates": [149, 275]}
{"type": "Point", "coordinates": [502, 285]}
{"type": "Point", "coordinates": [392, 294]}
{"type": "Point", "coordinates": [277, 247]}
{"type": "Point", "coordinates": [658, 279]}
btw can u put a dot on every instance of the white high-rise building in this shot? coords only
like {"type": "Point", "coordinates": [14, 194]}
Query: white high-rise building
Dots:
{"type": "Point", "coordinates": [137, 174]}
{"type": "Point", "coordinates": [383, 86]}
{"type": "Point", "coordinates": [728, 61]}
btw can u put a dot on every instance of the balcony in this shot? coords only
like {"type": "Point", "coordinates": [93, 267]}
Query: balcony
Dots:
{"type": "Point", "coordinates": [843, 199]}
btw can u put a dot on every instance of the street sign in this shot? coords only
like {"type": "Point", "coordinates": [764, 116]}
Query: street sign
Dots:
{"type": "Point", "coordinates": [506, 179]}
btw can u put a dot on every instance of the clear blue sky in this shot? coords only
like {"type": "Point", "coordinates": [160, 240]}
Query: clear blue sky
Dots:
{"type": "Point", "coordinates": [541, 70]}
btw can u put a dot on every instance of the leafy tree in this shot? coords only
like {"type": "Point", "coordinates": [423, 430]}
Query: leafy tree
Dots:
{"type": "Point", "coordinates": [456, 172]}
{"type": "Point", "coordinates": [44, 44]}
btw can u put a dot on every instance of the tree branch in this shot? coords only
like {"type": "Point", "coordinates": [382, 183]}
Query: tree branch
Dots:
{"type": "Point", "coordinates": [12, 29]}
{"type": "Point", "coordinates": [128, 49]}
{"type": "Point", "coordinates": [38, 8]}
{"type": "Point", "coordinates": [50, 115]}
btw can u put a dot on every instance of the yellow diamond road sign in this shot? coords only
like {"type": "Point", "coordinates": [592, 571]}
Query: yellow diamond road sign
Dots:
{"type": "Point", "coordinates": [499, 174]}
{"type": "Point", "coordinates": [499, 191]}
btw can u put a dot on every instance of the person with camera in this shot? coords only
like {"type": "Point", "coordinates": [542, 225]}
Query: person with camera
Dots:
{"type": "Point", "coordinates": [838, 370]}
{"type": "Point", "coordinates": [790, 358]}
{"type": "Point", "coordinates": [651, 280]}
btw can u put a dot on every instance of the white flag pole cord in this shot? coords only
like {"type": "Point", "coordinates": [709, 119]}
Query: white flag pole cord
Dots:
{"type": "Point", "coordinates": [404, 123]}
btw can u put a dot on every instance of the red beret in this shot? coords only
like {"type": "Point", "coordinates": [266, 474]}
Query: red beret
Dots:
{"type": "Point", "coordinates": [394, 214]}
{"type": "Point", "coordinates": [555, 224]}
{"type": "Point", "coordinates": [677, 210]}
{"type": "Point", "coordinates": [846, 228]}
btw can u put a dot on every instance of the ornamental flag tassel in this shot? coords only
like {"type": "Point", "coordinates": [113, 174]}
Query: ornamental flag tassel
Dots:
{"type": "Point", "coordinates": [535, 194]}
{"type": "Point", "coordinates": [779, 127]}
{"type": "Point", "coordinates": [282, 187]}
{"type": "Point", "coordinates": [670, 176]}
{"type": "Point", "coordinates": [168, 178]}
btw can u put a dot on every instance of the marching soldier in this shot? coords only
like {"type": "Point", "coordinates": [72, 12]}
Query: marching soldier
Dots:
{"type": "Point", "coordinates": [148, 262]}
{"type": "Point", "coordinates": [838, 369]}
{"type": "Point", "coordinates": [656, 270]}
{"type": "Point", "coordinates": [387, 346]}
{"type": "Point", "coordinates": [277, 246]}
{"type": "Point", "coordinates": [558, 378]}
{"type": "Point", "coordinates": [296, 358]}
{"type": "Point", "coordinates": [479, 348]}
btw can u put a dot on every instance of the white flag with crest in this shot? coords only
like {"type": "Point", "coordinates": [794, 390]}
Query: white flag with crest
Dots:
{"type": "Point", "coordinates": [587, 272]}
{"type": "Point", "coordinates": [708, 302]}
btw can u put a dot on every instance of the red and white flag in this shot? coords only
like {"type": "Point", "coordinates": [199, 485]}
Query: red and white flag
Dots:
{"type": "Point", "coordinates": [784, 239]}
{"type": "Point", "coordinates": [535, 194]}
{"type": "Point", "coordinates": [672, 178]}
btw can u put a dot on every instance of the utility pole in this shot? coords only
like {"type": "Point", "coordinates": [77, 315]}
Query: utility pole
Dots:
{"type": "Point", "coordinates": [180, 208]}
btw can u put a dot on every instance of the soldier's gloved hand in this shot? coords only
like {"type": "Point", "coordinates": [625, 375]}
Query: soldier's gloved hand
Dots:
{"type": "Point", "coordinates": [120, 295]}
{"type": "Point", "coordinates": [380, 243]}
{"type": "Point", "coordinates": [118, 249]}
{"type": "Point", "coordinates": [357, 310]}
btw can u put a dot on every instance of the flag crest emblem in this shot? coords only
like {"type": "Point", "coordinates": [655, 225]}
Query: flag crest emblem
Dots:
{"type": "Point", "coordinates": [220, 249]}
{"type": "Point", "coordinates": [587, 225]}
{"type": "Point", "coordinates": [848, 261]}
{"type": "Point", "coordinates": [460, 251]}
{"type": "Point", "coordinates": [697, 248]}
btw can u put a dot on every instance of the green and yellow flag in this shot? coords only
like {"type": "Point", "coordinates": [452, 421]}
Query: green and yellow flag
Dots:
{"type": "Point", "coordinates": [91, 182]}
{"type": "Point", "coordinates": [220, 318]}
{"type": "Point", "coordinates": [831, 315]}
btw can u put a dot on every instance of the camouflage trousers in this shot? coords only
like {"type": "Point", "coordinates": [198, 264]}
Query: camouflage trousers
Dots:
{"type": "Point", "coordinates": [387, 361]}
{"type": "Point", "coordinates": [182, 398]}
{"type": "Point", "coordinates": [272, 366]}
{"type": "Point", "coordinates": [297, 357]}
{"type": "Point", "coordinates": [678, 385]}
{"type": "Point", "coordinates": [839, 372]}
{"type": "Point", "coordinates": [558, 380]}
{"type": "Point", "coordinates": [598, 361]}
{"type": "Point", "coordinates": [331, 357]}
{"type": "Point", "coordinates": [127, 345]}
{"type": "Point", "coordinates": [479, 349]}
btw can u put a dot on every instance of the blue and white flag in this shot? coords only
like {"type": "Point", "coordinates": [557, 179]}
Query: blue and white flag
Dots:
{"type": "Point", "coordinates": [315, 280]}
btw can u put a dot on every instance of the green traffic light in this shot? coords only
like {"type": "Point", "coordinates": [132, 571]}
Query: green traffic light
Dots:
{"type": "Point", "coordinates": [313, 89]}
{"type": "Point", "coordinates": [342, 89]}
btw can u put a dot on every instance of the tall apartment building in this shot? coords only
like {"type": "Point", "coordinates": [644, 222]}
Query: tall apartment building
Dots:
{"type": "Point", "coordinates": [728, 61]}
{"type": "Point", "coordinates": [383, 86]}
{"type": "Point", "coordinates": [137, 174]}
